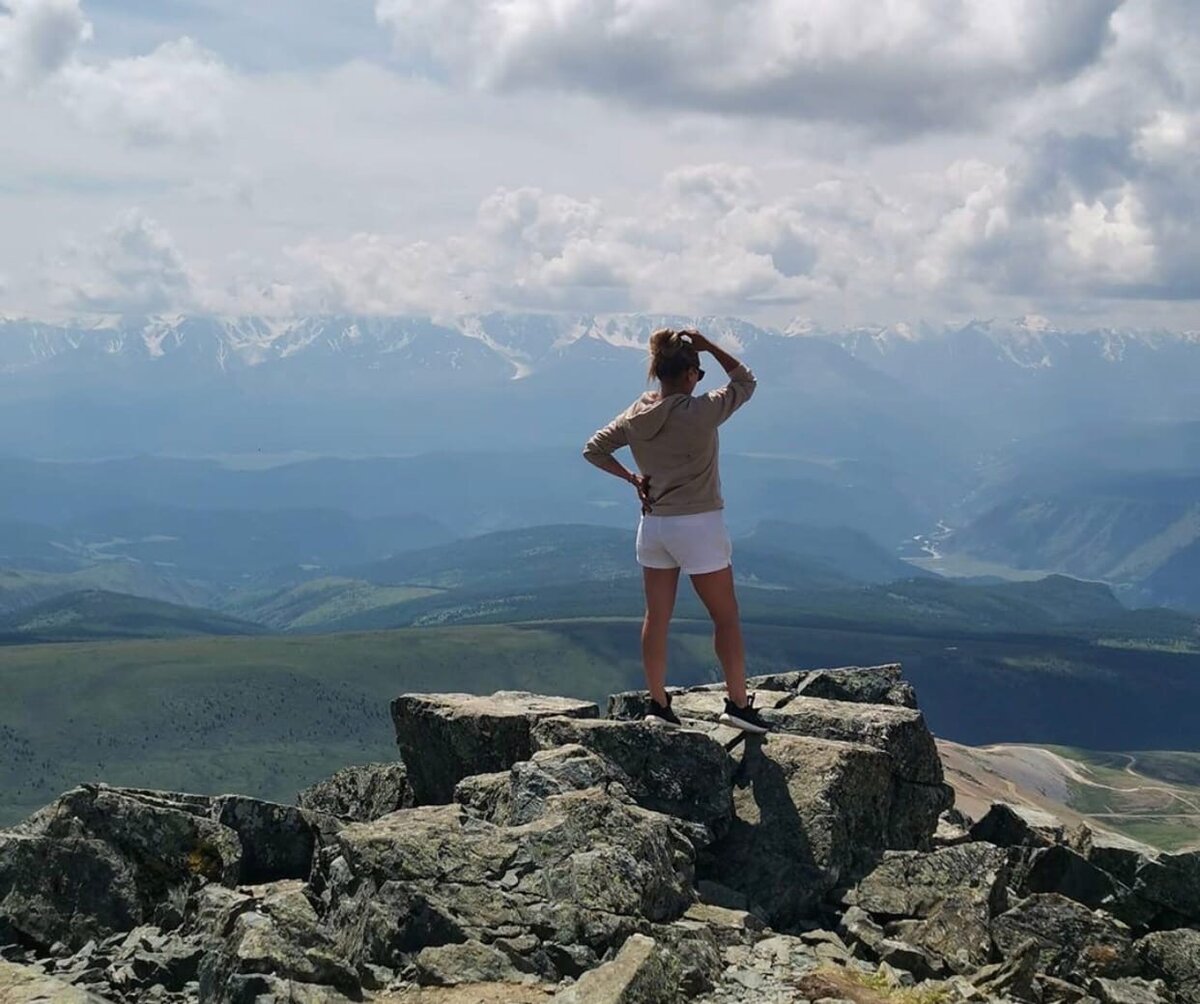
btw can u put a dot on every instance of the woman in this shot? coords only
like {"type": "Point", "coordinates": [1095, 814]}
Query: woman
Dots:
{"type": "Point", "coordinates": [673, 436]}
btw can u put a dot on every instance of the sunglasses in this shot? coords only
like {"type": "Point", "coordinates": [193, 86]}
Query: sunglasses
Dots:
{"type": "Point", "coordinates": [699, 372]}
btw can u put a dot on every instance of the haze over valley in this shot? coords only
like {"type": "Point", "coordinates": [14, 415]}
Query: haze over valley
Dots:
{"type": "Point", "coordinates": [267, 528]}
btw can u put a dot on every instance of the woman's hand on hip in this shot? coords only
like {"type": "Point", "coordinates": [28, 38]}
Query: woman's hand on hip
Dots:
{"type": "Point", "coordinates": [642, 484]}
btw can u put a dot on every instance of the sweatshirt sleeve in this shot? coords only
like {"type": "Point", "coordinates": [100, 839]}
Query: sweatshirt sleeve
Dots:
{"type": "Point", "coordinates": [718, 405]}
{"type": "Point", "coordinates": [605, 442]}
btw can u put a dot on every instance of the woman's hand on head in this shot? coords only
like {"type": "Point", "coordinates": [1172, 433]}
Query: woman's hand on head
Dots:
{"type": "Point", "coordinates": [699, 342]}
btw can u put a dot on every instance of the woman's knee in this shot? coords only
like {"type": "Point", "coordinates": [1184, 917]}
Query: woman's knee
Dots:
{"type": "Point", "coordinates": [727, 621]}
{"type": "Point", "coordinates": [657, 620]}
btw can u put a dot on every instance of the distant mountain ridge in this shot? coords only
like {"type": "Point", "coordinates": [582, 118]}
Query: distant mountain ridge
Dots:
{"type": "Point", "coordinates": [96, 614]}
{"type": "Point", "coordinates": [1139, 531]}
{"type": "Point", "coordinates": [523, 343]}
{"type": "Point", "coordinates": [358, 386]}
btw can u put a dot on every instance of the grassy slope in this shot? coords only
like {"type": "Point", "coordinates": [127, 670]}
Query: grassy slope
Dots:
{"type": "Point", "coordinates": [316, 604]}
{"type": "Point", "coordinates": [1127, 792]}
{"type": "Point", "coordinates": [95, 614]}
{"type": "Point", "coordinates": [21, 587]}
{"type": "Point", "coordinates": [259, 714]}
{"type": "Point", "coordinates": [928, 606]}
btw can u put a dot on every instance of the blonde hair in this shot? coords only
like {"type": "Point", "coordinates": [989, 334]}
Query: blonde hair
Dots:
{"type": "Point", "coordinates": [671, 354]}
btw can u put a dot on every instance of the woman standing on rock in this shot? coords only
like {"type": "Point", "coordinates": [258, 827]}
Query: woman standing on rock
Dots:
{"type": "Point", "coordinates": [673, 436]}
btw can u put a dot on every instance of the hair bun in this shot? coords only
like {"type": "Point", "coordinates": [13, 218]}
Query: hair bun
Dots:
{"type": "Point", "coordinates": [671, 354]}
{"type": "Point", "coordinates": [665, 343]}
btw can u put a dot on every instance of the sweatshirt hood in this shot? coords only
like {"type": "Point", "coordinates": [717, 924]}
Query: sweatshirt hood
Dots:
{"type": "Point", "coordinates": [649, 413]}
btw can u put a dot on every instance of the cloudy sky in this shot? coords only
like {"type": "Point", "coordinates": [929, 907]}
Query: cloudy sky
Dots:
{"type": "Point", "coordinates": [843, 160]}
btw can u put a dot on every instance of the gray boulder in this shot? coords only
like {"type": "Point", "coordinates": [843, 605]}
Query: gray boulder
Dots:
{"type": "Point", "coordinates": [1130, 990]}
{"type": "Point", "coordinates": [809, 814]}
{"type": "Point", "coordinates": [99, 860]}
{"type": "Point", "coordinates": [1073, 941]}
{"type": "Point", "coordinates": [675, 771]}
{"type": "Point", "coordinates": [1174, 958]}
{"type": "Point", "coordinates": [952, 828]}
{"type": "Point", "coordinates": [1060, 869]}
{"type": "Point", "coordinates": [277, 840]}
{"type": "Point", "coordinates": [446, 737]}
{"type": "Point", "coordinates": [1119, 856]}
{"type": "Point", "coordinates": [1018, 826]}
{"type": "Point", "coordinates": [900, 732]}
{"type": "Point", "coordinates": [854, 684]}
{"type": "Point", "coordinates": [149, 958]}
{"type": "Point", "coordinates": [518, 795]}
{"type": "Point", "coordinates": [27, 985]}
{"type": "Point", "coordinates": [946, 898]}
{"type": "Point", "coordinates": [360, 793]}
{"type": "Point", "coordinates": [69, 889]}
{"type": "Point", "coordinates": [1172, 882]}
{"type": "Point", "coordinates": [468, 962]}
{"type": "Point", "coordinates": [261, 946]}
{"type": "Point", "coordinates": [555, 893]}
{"type": "Point", "coordinates": [1011, 977]}
{"type": "Point", "coordinates": [641, 973]}
{"type": "Point", "coordinates": [867, 685]}
{"type": "Point", "coordinates": [914, 884]}
{"type": "Point", "coordinates": [211, 910]}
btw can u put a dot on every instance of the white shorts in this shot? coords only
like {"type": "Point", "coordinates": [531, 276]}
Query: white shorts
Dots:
{"type": "Point", "coordinates": [696, 544]}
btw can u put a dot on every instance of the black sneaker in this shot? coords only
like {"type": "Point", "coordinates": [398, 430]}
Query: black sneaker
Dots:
{"type": "Point", "coordinates": [747, 719]}
{"type": "Point", "coordinates": [660, 714]}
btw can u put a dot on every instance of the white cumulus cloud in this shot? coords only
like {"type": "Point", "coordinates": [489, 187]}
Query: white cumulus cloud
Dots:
{"type": "Point", "coordinates": [133, 267]}
{"type": "Point", "coordinates": [680, 248]}
{"type": "Point", "coordinates": [39, 37]}
{"type": "Point", "coordinates": [176, 93]}
{"type": "Point", "coordinates": [898, 67]}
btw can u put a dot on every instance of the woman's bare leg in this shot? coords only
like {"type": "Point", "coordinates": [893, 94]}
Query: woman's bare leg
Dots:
{"type": "Point", "coordinates": [661, 585]}
{"type": "Point", "coordinates": [716, 592]}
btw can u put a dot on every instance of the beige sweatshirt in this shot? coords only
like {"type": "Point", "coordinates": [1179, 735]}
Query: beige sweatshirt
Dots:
{"type": "Point", "coordinates": [675, 444]}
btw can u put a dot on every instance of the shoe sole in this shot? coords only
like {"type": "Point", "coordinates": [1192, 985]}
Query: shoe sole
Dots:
{"type": "Point", "coordinates": [655, 720]}
{"type": "Point", "coordinates": [737, 723]}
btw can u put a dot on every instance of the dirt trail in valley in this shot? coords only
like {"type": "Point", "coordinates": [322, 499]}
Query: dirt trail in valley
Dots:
{"type": "Point", "coordinates": [1073, 771]}
{"type": "Point", "coordinates": [1041, 779]}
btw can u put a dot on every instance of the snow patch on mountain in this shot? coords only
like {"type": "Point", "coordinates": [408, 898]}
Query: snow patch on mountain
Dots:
{"type": "Point", "coordinates": [472, 327]}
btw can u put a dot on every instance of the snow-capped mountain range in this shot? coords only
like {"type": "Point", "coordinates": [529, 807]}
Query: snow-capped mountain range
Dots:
{"type": "Point", "coordinates": [528, 342]}
{"type": "Point", "coordinates": [396, 384]}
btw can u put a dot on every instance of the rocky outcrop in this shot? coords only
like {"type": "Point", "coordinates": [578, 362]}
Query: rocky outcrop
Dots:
{"type": "Point", "coordinates": [641, 973]}
{"type": "Point", "coordinates": [29, 985]}
{"type": "Point", "coordinates": [1172, 883]}
{"type": "Point", "coordinates": [527, 850]}
{"type": "Point", "coordinates": [554, 894]}
{"type": "Point", "coordinates": [360, 793]}
{"type": "Point", "coordinates": [919, 794]}
{"type": "Point", "coordinates": [1173, 957]}
{"type": "Point", "coordinates": [1018, 826]}
{"type": "Point", "coordinates": [1130, 990]}
{"type": "Point", "coordinates": [942, 903]}
{"type": "Point", "coordinates": [809, 814]}
{"type": "Point", "coordinates": [446, 737]}
{"type": "Point", "coordinates": [100, 860]}
{"type": "Point", "coordinates": [1053, 915]}
{"type": "Point", "coordinates": [518, 795]}
{"type": "Point", "coordinates": [854, 684]}
{"type": "Point", "coordinates": [1072, 941]}
{"type": "Point", "coordinates": [683, 774]}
